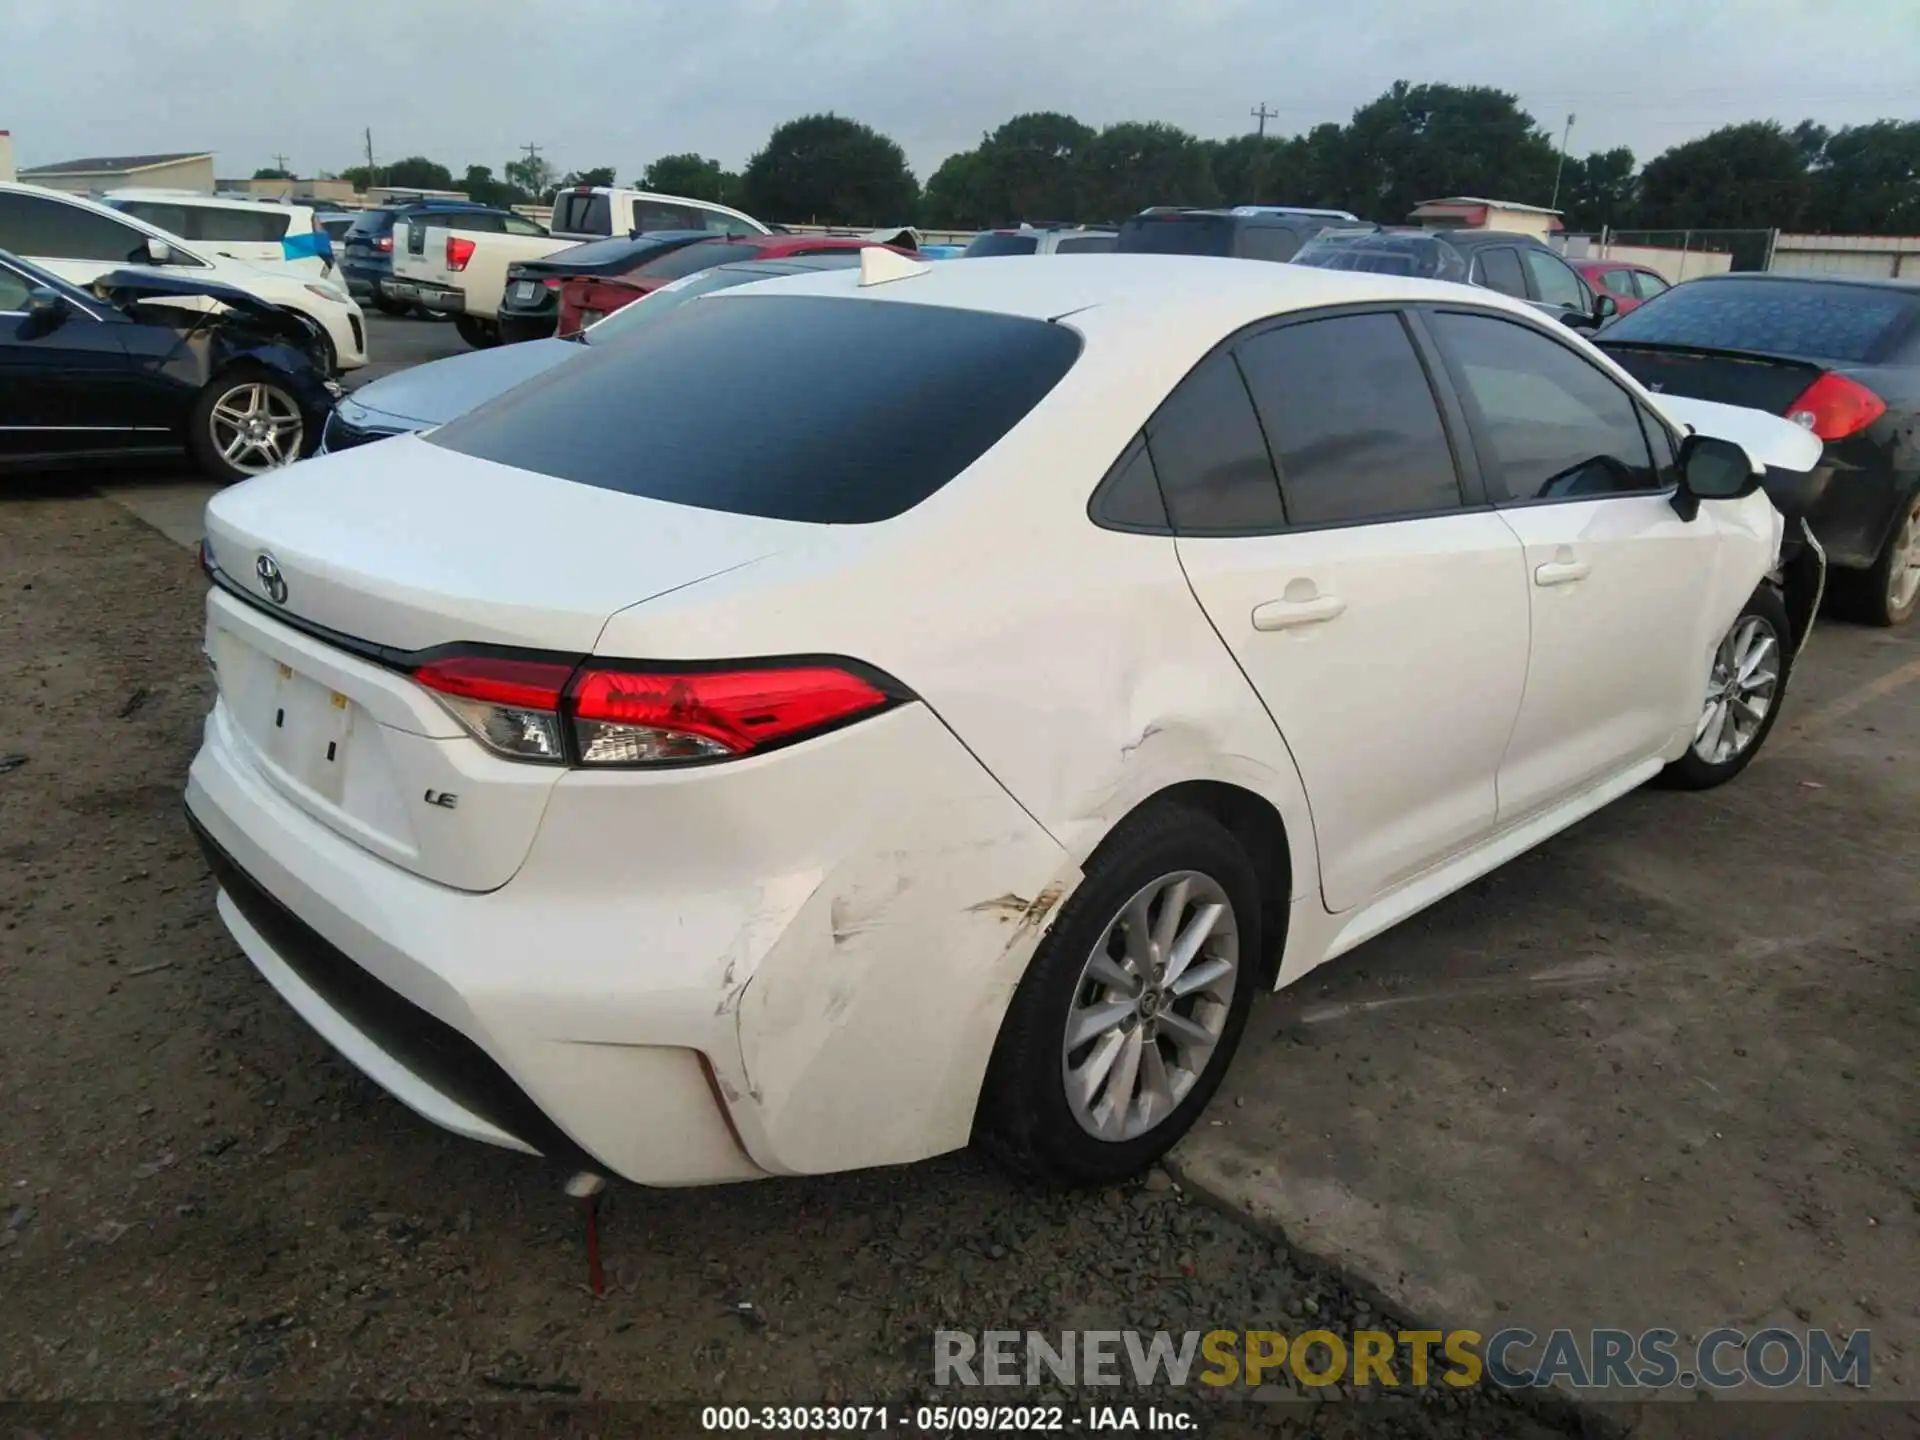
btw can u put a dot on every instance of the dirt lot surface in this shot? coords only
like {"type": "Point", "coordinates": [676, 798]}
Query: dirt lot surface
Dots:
{"type": "Point", "coordinates": [201, 1202]}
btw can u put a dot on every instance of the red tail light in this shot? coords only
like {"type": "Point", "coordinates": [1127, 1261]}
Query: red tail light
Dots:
{"type": "Point", "coordinates": [1834, 407]}
{"type": "Point", "coordinates": [459, 252]}
{"type": "Point", "coordinates": [552, 282]}
{"type": "Point", "coordinates": [384, 244]}
{"type": "Point", "coordinates": [552, 711]}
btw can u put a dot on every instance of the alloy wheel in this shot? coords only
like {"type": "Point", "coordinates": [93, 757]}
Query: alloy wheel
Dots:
{"type": "Point", "coordinates": [1903, 571]}
{"type": "Point", "coordinates": [257, 427]}
{"type": "Point", "coordinates": [1741, 691]}
{"type": "Point", "coordinates": [1151, 1005]}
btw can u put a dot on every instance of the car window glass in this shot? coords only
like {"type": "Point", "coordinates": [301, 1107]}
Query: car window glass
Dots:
{"type": "Point", "coordinates": [1129, 498]}
{"type": "Point", "coordinates": [515, 225]}
{"type": "Point", "coordinates": [1666, 454]}
{"type": "Point", "coordinates": [1268, 242]}
{"type": "Point", "coordinates": [716, 223]}
{"type": "Point", "coordinates": [579, 214]}
{"type": "Point", "coordinates": [13, 291]}
{"type": "Point", "coordinates": [1555, 281]}
{"type": "Point", "coordinates": [1211, 457]}
{"type": "Point", "coordinates": [1617, 282]}
{"type": "Point", "coordinates": [1500, 270]}
{"type": "Point", "coordinates": [32, 225]}
{"type": "Point", "coordinates": [995, 242]}
{"type": "Point", "coordinates": [1557, 426]}
{"type": "Point", "coordinates": [661, 410]}
{"type": "Point", "coordinates": [1084, 245]}
{"type": "Point", "coordinates": [235, 227]}
{"type": "Point", "coordinates": [1351, 420]}
{"type": "Point", "coordinates": [652, 215]}
{"type": "Point", "coordinates": [1649, 283]}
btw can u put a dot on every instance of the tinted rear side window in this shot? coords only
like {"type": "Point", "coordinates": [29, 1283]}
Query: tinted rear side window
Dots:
{"type": "Point", "coordinates": [1211, 458]}
{"type": "Point", "coordinates": [1858, 323]}
{"type": "Point", "coordinates": [993, 243]}
{"type": "Point", "coordinates": [1177, 235]}
{"type": "Point", "coordinates": [1500, 270]}
{"type": "Point", "coordinates": [725, 405]}
{"type": "Point", "coordinates": [1351, 419]}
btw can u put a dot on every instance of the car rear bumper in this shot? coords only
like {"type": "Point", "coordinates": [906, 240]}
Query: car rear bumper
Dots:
{"type": "Point", "coordinates": [680, 986]}
{"type": "Point", "coordinates": [424, 292]}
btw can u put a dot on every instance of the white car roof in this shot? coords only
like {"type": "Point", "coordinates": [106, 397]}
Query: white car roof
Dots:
{"type": "Point", "coordinates": [1170, 293]}
{"type": "Point", "coordinates": [211, 202]}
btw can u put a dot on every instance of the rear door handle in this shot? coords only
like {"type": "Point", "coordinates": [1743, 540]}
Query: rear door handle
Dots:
{"type": "Point", "coordinates": [1286, 614]}
{"type": "Point", "coordinates": [1561, 572]}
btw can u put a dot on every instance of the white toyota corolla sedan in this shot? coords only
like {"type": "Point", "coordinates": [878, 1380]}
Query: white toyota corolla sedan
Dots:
{"type": "Point", "coordinates": [875, 710]}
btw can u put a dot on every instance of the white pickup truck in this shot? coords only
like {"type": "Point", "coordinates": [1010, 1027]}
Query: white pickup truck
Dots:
{"type": "Point", "coordinates": [457, 264]}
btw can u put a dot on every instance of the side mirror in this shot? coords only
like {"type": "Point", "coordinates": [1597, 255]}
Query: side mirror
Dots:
{"type": "Point", "coordinates": [47, 310]}
{"type": "Point", "coordinates": [159, 252]}
{"type": "Point", "coordinates": [1605, 307]}
{"type": "Point", "coordinates": [1712, 469]}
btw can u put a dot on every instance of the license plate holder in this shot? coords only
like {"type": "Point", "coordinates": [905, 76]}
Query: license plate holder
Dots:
{"type": "Point", "coordinates": [524, 289]}
{"type": "Point", "coordinates": [309, 728]}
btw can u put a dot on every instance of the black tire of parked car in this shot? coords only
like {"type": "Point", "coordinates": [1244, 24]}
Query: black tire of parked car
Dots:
{"type": "Point", "coordinates": [1867, 595]}
{"type": "Point", "coordinates": [388, 306]}
{"type": "Point", "coordinates": [480, 334]}
{"type": "Point", "coordinates": [201, 444]}
{"type": "Point", "coordinates": [1023, 1121]}
{"type": "Point", "coordinates": [1692, 771]}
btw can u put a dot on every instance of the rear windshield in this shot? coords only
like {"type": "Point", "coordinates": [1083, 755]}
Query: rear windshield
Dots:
{"type": "Point", "coordinates": [372, 222]}
{"type": "Point", "coordinates": [726, 405]}
{"type": "Point", "coordinates": [1425, 256]}
{"type": "Point", "coordinates": [994, 243]}
{"type": "Point", "coordinates": [1809, 319]}
{"type": "Point", "coordinates": [1177, 235]}
{"type": "Point", "coordinates": [579, 214]}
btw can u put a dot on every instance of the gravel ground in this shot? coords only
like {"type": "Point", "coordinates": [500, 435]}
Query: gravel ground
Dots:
{"type": "Point", "coordinates": [199, 1201]}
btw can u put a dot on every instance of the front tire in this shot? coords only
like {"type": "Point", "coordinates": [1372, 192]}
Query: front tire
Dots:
{"type": "Point", "coordinates": [245, 423]}
{"type": "Point", "coordinates": [480, 334]}
{"type": "Point", "coordinates": [1746, 684]}
{"type": "Point", "coordinates": [1132, 1006]}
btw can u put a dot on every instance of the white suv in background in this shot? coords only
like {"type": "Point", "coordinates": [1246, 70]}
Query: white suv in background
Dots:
{"type": "Point", "coordinates": [80, 240]}
{"type": "Point", "coordinates": [593, 212]}
{"type": "Point", "coordinates": [259, 232]}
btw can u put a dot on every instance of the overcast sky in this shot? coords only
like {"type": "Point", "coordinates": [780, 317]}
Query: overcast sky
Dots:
{"type": "Point", "coordinates": [620, 82]}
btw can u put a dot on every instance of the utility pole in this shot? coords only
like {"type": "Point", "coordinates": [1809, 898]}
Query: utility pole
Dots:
{"type": "Point", "coordinates": [1262, 114]}
{"type": "Point", "coordinates": [280, 162]}
{"type": "Point", "coordinates": [533, 152]}
{"type": "Point", "coordinates": [371, 176]}
{"type": "Point", "coordinates": [1561, 164]}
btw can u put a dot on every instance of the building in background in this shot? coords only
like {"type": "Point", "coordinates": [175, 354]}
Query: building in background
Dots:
{"type": "Point", "coordinates": [337, 191]}
{"type": "Point", "coordinates": [1470, 212]}
{"type": "Point", "coordinates": [184, 170]}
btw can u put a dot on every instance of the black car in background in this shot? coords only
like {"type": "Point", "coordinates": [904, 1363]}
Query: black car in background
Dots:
{"type": "Point", "coordinates": [1248, 233]}
{"type": "Point", "coordinates": [366, 251]}
{"type": "Point", "coordinates": [1522, 266]}
{"type": "Point", "coordinates": [116, 371]}
{"type": "Point", "coordinates": [530, 309]}
{"type": "Point", "coordinates": [1839, 356]}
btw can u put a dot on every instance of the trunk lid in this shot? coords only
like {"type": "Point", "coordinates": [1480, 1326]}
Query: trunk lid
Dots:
{"type": "Point", "coordinates": [1758, 382]}
{"type": "Point", "coordinates": [388, 550]}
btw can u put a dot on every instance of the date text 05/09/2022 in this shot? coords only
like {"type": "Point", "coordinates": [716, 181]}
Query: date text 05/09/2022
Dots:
{"type": "Point", "coordinates": [945, 1419]}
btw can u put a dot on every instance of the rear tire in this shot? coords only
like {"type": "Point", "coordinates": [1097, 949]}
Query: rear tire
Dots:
{"type": "Point", "coordinates": [1750, 670]}
{"type": "Point", "coordinates": [480, 334]}
{"type": "Point", "coordinates": [1888, 591]}
{"type": "Point", "coordinates": [1119, 985]}
{"type": "Point", "coordinates": [390, 307]}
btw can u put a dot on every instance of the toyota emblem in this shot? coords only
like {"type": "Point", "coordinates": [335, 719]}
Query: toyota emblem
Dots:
{"type": "Point", "coordinates": [267, 571]}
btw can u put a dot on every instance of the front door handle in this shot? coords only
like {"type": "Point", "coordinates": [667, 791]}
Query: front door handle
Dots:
{"type": "Point", "coordinates": [1562, 572]}
{"type": "Point", "coordinates": [1286, 614]}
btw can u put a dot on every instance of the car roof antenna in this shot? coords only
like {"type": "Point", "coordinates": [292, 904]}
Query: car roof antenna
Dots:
{"type": "Point", "coordinates": [880, 266]}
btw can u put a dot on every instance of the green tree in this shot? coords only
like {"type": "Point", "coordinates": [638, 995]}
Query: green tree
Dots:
{"type": "Point", "coordinates": [272, 172]}
{"type": "Point", "coordinates": [1261, 170]}
{"type": "Point", "coordinates": [1750, 176]}
{"type": "Point", "coordinates": [1869, 180]}
{"type": "Point", "coordinates": [960, 196]}
{"type": "Point", "coordinates": [532, 177]}
{"type": "Point", "coordinates": [416, 172]}
{"type": "Point", "coordinates": [1030, 168]}
{"type": "Point", "coordinates": [827, 169]}
{"type": "Point", "coordinates": [359, 176]}
{"type": "Point", "coordinates": [694, 176]}
{"type": "Point", "coordinates": [598, 175]}
{"type": "Point", "coordinates": [1598, 190]}
{"type": "Point", "coordinates": [1136, 164]}
{"type": "Point", "coordinates": [1422, 142]}
{"type": "Point", "coordinates": [481, 185]}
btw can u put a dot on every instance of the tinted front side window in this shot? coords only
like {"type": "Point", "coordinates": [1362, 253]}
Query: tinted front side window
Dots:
{"type": "Point", "coordinates": [1555, 280]}
{"type": "Point", "coordinates": [1500, 270]}
{"type": "Point", "coordinates": [13, 291]}
{"type": "Point", "coordinates": [994, 243]}
{"type": "Point", "coordinates": [1557, 427]}
{"type": "Point", "coordinates": [1211, 457]}
{"type": "Point", "coordinates": [31, 225]}
{"type": "Point", "coordinates": [1351, 419]}
{"type": "Point", "coordinates": [724, 404]}
{"type": "Point", "coordinates": [1811, 318]}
